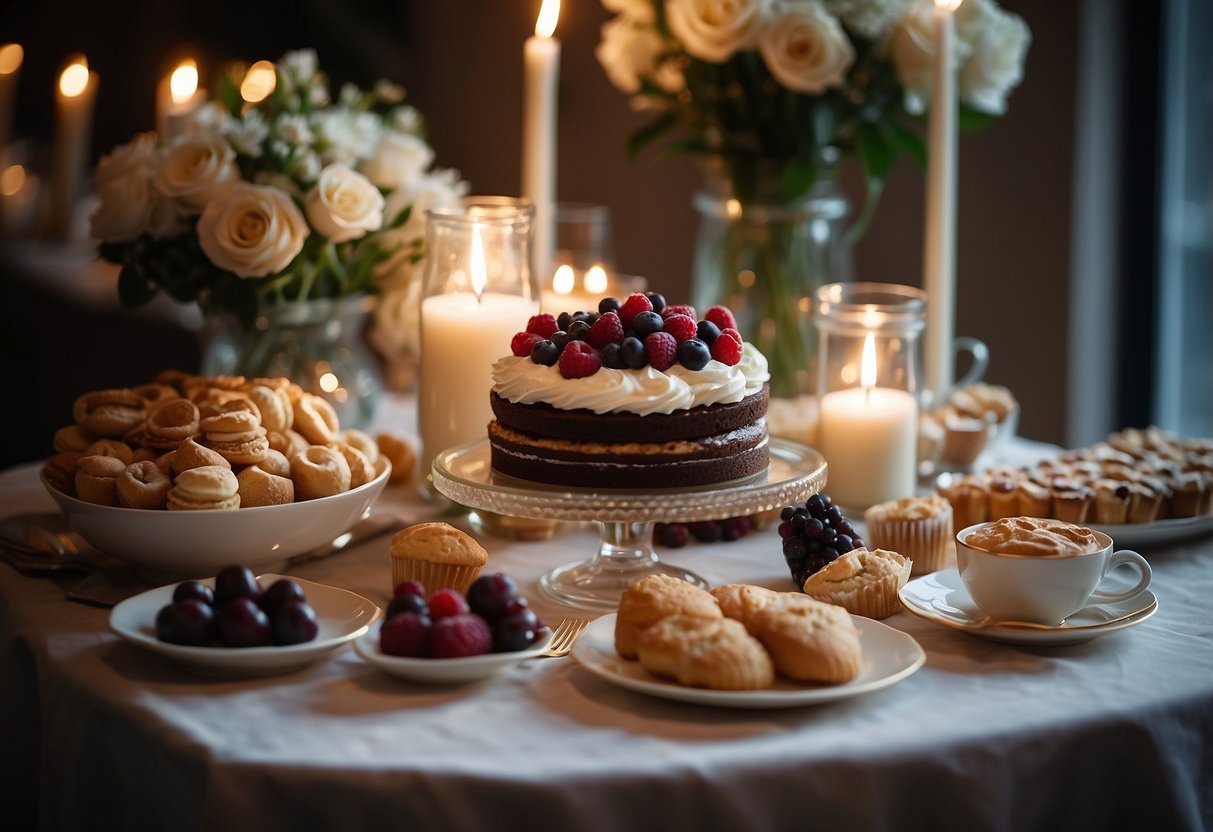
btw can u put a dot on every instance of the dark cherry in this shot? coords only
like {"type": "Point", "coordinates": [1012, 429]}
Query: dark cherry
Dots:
{"type": "Point", "coordinates": [235, 581]}
{"type": "Point", "coordinates": [515, 632]}
{"type": "Point", "coordinates": [294, 623]}
{"type": "Point", "coordinates": [563, 320]}
{"type": "Point", "coordinates": [280, 593]}
{"type": "Point", "coordinates": [241, 623]}
{"type": "Point", "coordinates": [196, 590]}
{"type": "Point", "coordinates": [405, 602]}
{"type": "Point", "coordinates": [189, 622]}
{"type": "Point", "coordinates": [489, 594]}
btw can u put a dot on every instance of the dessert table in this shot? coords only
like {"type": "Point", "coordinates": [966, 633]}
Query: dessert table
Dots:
{"type": "Point", "coordinates": [1112, 733]}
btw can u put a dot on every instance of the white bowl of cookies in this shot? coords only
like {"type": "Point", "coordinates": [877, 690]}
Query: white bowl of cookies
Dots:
{"type": "Point", "coordinates": [190, 473]}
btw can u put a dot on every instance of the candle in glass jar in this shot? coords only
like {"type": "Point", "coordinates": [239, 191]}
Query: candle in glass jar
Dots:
{"type": "Point", "coordinates": [462, 335]}
{"type": "Point", "coordinates": [542, 59]}
{"type": "Point", "coordinates": [869, 437]}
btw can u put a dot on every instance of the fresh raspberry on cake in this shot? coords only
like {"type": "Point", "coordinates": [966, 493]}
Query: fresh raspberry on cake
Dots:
{"type": "Point", "coordinates": [678, 309]}
{"type": "Point", "coordinates": [682, 327]}
{"type": "Point", "coordinates": [633, 306]}
{"type": "Point", "coordinates": [662, 350]}
{"type": "Point", "coordinates": [727, 347]}
{"type": "Point", "coordinates": [579, 360]}
{"type": "Point", "coordinates": [544, 325]}
{"type": "Point", "coordinates": [523, 342]}
{"type": "Point", "coordinates": [461, 635]}
{"type": "Point", "coordinates": [722, 317]}
{"type": "Point", "coordinates": [606, 330]}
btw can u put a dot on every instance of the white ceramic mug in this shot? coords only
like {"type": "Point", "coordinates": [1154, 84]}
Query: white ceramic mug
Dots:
{"type": "Point", "coordinates": [1042, 589]}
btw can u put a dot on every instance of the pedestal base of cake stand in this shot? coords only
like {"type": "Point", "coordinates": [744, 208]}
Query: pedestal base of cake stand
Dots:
{"type": "Point", "coordinates": [624, 517]}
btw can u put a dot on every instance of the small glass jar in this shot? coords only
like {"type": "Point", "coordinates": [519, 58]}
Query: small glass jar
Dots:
{"type": "Point", "coordinates": [480, 289]}
{"type": "Point", "coordinates": [868, 389]}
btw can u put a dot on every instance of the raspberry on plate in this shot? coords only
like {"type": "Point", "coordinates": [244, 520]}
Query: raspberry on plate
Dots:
{"type": "Point", "coordinates": [522, 343]}
{"type": "Point", "coordinates": [579, 360]}
{"type": "Point", "coordinates": [633, 306]}
{"type": "Point", "coordinates": [461, 635]}
{"type": "Point", "coordinates": [606, 330]}
{"type": "Point", "coordinates": [543, 325]}
{"type": "Point", "coordinates": [683, 328]}
{"type": "Point", "coordinates": [662, 350]}
{"type": "Point", "coordinates": [722, 316]}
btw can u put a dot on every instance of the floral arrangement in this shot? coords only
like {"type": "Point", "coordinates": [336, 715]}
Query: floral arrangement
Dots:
{"type": "Point", "coordinates": [799, 83]}
{"type": "Point", "coordinates": [294, 198]}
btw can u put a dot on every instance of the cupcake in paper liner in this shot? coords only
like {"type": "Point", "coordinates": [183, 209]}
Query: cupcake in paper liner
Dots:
{"type": "Point", "coordinates": [919, 528]}
{"type": "Point", "coordinates": [437, 555]}
{"type": "Point", "coordinates": [864, 582]}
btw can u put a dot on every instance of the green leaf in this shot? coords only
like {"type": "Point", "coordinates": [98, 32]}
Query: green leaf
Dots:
{"type": "Point", "coordinates": [682, 146]}
{"type": "Point", "coordinates": [875, 153]}
{"type": "Point", "coordinates": [907, 140]}
{"type": "Point", "coordinates": [797, 176]}
{"type": "Point", "coordinates": [133, 288]}
{"type": "Point", "coordinates": [974, 120]}
{"type": "Point", "coordinates": [646, 135]}
{"type": "Point", "coordinates": [402, 217]}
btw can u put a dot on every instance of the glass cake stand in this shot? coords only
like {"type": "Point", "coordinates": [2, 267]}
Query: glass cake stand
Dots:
{"type": "Point", "coordinates": [625, 517]}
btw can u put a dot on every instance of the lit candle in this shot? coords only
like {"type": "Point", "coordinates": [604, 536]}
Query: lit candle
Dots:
{"type": "Point", "coordinates": [11, 55]}
{"type": "Point", "coordinates": [566, 295]}
{"type": "Point", "coordinates": [939, 248]}
{"type": "Point", "coordinates": [258, 82]}
{"type": "Point", "coordinates": [868, 436]}
{"type": "Point", "coordinates": [74, 122]}
{"type": "Point", "coordinates": [462, 335]}
{"type": "Point", "coordinates": [177, 95]}
{"type": "Point", "coordinates": [542, 54]}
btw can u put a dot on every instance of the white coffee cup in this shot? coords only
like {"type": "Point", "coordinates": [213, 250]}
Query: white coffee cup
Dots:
{"type": "Point", "coordinates": [1043, 589]}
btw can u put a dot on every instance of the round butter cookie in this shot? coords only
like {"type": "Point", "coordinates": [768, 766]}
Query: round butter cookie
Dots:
{"type": "Point", "coordinates": [713, 653]}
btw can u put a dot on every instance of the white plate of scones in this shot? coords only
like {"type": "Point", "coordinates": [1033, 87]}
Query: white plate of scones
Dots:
{"type": "Point", "coordinates": [888, 656]}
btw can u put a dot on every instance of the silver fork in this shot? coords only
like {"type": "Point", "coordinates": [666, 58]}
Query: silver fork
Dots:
{"type": "Point", "coordinates": [563, 637]}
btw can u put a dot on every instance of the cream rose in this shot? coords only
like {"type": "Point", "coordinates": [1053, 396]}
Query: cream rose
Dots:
{"type": "Point", "coordinates": [252, 231]}
{"type": "Point", "coordinates": [344, 204]}
{"type": "Point", "coordinates": [996, 65]}
{"type": "Point", "coordinates": [399, 158]}
{"type": "Point", "coordinates": [806, 49]}
{"type": "Point", "coordinates": [125, 208]}
{"type": "Point", "coordinates": [629, 51]}
{"type": "Point", "coordinates": [137, 154]}
{"type": "Point", "coordinates": [197, 168]}
{"type": "Point", "coordinates": [712, 30]}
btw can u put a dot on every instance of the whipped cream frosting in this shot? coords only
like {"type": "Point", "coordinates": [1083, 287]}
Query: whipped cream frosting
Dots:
{"type": "Point", "coordinates": [644, 391]}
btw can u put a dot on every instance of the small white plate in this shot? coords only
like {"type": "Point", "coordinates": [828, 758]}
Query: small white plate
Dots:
{"type": "Point", "coordinates": [1158, 533]}
{"type": "Point", "coordinates": [888, 657]}
{"type": "Point", "coordinates": [444, 671]}
{"type": "Point", "coordinates": [941, 597]}
{"type": "Point", "coordinates": [341, 616]}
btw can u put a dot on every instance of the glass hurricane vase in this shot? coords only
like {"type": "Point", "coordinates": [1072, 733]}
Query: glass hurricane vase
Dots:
{"type": "Point", "coordinates": [764, 258]}
{"type": "Point", "coordinates": [318, 344]}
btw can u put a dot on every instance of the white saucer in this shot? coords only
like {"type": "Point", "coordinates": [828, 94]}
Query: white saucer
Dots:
{"type": "Point", "coordinates": [888, 657]}
{"type": "Point", "coordinates": [444, 671]}
{"type": "Point", "coordinates": [941, 597]}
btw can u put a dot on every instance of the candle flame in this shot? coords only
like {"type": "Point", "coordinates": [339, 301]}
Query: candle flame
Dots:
{"type": "Point", "coordinates": [258, 82]}
{"type": "Point", "coordinates": [562, 281]}
{"type": "Point", "coordinates": [549, 13]}
{"type": "Point", "coordinates": [596, 279]}
{"type": "Point", "coordinates": [11, 56]}
{"type": "Point", "coordinates": [867, 368]}
{"type": "Point", "coordinates": [480, 277]}
{"type": "Point", "coordinates": [73, 81]}
{"type": "Point", "coordinates": [183, 83]}
{"type": "Point", "coordinates": [12, 180]}
{"type": "Point", "coordinates": [948, 5]}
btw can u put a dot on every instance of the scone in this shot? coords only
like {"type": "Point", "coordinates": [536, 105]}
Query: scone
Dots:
{"type": "Point", "coordinates": [808, 640]}
{"type": "Point", "coordinates": [437, 555]}
{"type": "Point", "coordinates": [653, 598]}
{"type": "Point", "coordinates": [863, 582]}
{"type": "Point", "coordinates": [714, 653]}
{"type": "Point", "coordinates": [919, 528]}
{"type": "Point", "coordinates": [741, 601]}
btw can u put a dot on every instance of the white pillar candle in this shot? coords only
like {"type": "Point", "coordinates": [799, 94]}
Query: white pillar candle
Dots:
{"type": "Point", "coordinates": [542, 59]}
{"type": "Point", "coordinates": [177, 95]}
{"type": "Point", "coordinates": [869, 438]}
{"type": "Point", "coordinates": [75, 98]}
{"type": "Point", "coordinates": [939, 248]}
{"type": "Point", "coordinates": [11, 56]}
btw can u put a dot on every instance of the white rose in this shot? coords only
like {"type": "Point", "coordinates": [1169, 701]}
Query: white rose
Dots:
{"type": "Point", "coordinates": [806, 49]}
{"type": "Point", "coordinates": [123, 212]}
{"type": "Point", "coordinates": [247, 133]}
{"type": "Point", "coordinates": [294, 129]}
{"type": "Point", "coordinates": [164, 219]}
{"type": "Point", "coordinates": [712, 30]}
{"type": "Point", "coordinates": [207, 119]}
{"type": "Point", "coordinates": [439, 189]}
{"type": "Point", "coordinates": [406, 119]}
{"type": "Point", "coordinates": [252, 231]}
{"type": "Point", "coordinates": [399, 158]}
{"type": "Point", "coordinates": [196, 169]}
{"type": "Point", "coordinates": [996, 65]}
{"type": "Point", "coordinates": [628, 51]}
{"type": "Point", "coordinates": [870, 18]}
{"type": "Point", "coordinates": [912, 50]}
{"type": "Point", "coordinates": [344, 204]}
{"type": "Point", "coordinates": [138, 154]}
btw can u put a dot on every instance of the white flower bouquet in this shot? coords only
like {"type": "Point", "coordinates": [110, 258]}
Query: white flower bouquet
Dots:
{"type": "Point", "coordinates": [798, 84]}
{"type": "Point", "coordinates": [294, 198]}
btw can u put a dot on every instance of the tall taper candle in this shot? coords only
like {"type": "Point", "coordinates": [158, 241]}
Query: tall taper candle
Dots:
{"type": "Point", "coordinates": [11, 55]}
{"type": "Point", "coordinates": [542, 54]}
{"type": "Point", "coordinates": [939, 248]}
{"type": "Point", "coordinates": [74, 124]}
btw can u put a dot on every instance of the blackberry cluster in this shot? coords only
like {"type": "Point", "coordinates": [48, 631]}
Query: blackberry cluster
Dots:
{"type": "Point", "coordinates": [677, 535]}
{"type": "Point", "coordinates": [815, 534]}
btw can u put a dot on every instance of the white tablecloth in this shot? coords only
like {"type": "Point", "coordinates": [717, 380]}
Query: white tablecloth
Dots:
{"type": "Point", "coordinates": [97, 734]}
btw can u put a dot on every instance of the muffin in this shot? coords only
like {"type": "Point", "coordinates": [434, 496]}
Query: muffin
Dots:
{"type": "Point", "coordinates": [437, 555]}
{"type": "Point", "coordinates": [1112, 501]}
{"type": "Point", "coordinates": [919, 528]}
{"type": "Point", "coordinates": [1071, 500]}
{"type": "Point", "coordinates": [969, 499]}
{"type": "Point", "coordinates": [864, 582]}
{"type": "Point", "coordinates": [1002, 500]}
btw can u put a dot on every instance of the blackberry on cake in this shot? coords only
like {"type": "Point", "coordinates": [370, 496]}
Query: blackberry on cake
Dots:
{"type": "Point", "coordinates": [641, 394]}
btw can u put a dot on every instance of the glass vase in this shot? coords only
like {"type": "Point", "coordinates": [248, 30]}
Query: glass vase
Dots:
{"type": "Point", "coordinates": [318, 344]}
{"type": "Point", "coordinates": [764, 258]}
